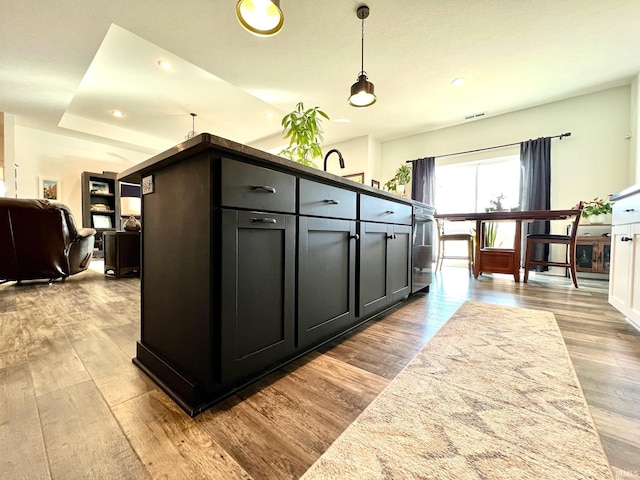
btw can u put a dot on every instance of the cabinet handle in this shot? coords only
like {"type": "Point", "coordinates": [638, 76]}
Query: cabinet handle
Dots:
{"type": "Point", "coordinates": [390, 212]}
{"type": "Point", "coordinates": [392, 236]}
{"type": "Point", "coordinates": [264, 188]}
{"type": "Point", "coordinates": [332, 202]}
{"type": "Point", "coordinates": [626, 239]}
{"type": "Point", "coordinates": [630, 210]}
{"type": "Point", "coordinates": [263, 220]}
{"type": "Point", "coordinates": [355, 237]}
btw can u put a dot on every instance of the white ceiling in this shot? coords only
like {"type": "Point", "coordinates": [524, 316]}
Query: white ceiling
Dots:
{"type": "Point", "coordinates": [65, 64]}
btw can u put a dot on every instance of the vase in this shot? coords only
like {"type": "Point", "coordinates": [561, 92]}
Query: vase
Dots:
{"type": "Point", "coordinates": [132, 224]}
{"type": "Point", "coordinates": [596, 219]}
{"type": "Point", "coordinates": [400, 189]}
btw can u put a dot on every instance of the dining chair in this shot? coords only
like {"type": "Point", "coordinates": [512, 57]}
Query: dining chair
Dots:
{"type": "Point", "coordinates": [569, 241]}
{"type": "Point", "coordinates": [444, 237]}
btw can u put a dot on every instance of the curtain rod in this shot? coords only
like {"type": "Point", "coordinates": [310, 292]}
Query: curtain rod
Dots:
{"type": "Point", "coordinates": [561, 136]}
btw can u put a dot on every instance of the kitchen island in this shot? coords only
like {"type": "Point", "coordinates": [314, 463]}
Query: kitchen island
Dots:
{"type": "Point", "coordinates": [250, 261]}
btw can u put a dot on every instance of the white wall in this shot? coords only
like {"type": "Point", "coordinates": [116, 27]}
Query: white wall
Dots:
{"type": "Point", "coordinates": [594, 161]}
{"type": "Point", "coordinates": [44, 154]}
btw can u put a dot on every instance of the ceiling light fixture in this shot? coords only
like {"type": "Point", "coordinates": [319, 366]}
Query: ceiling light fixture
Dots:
{"type": "Point", "coordinates": [260, 17]}
{"type": "Point", "coordinates": [165, 64]}
{"type": "Point", "coordinates": [193, 132]}
{"type": "Point", "coordinates": [118, 114]}
{"type": "Point", "coordinates": [457, 82]}
{"type": "Point", "coordinates": [362, 91]}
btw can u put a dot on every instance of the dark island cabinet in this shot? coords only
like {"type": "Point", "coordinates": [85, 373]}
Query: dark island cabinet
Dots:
{"type": "Point", "coordinates": [249, 261]}
{"type": "Point", "coordinates": [258, 286]}
{"type": "Point", "coordinates": [327, 276]}
{"type": "Point", "coordinates": [384, 265]}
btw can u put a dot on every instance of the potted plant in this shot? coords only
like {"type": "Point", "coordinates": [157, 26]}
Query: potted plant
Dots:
{"type": "Point", "coordinates": [596, 209]}
{"type": "Point", "coordinates": [401, 178]}
{"type": "Point", "coordinates": [303, 128]}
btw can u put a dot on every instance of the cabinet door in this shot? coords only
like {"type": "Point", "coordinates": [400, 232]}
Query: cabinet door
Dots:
{"type": "Point", "coordinates": [634, 280]}
{"type": "Point", "coordinates": [326, 278]}
{"type": "Point", "coordinates": [374, 285]}
{"type": "Point", "coordinates": [586, 255]}
{"type": "Point", "coordinates": [620, 268]}
{"type": "Point", "coordinates": [258, 286]}
{"type": "Point", "coordinates": [399, 262]}
{"type": "Point", "coordinates": [385, 265]}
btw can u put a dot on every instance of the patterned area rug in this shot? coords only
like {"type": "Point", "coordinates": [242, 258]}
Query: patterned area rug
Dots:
{"type": "Point", "coordinates": [493, 395]}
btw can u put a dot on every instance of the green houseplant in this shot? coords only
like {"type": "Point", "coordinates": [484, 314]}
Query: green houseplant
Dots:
{"type": "Point", "coordinates": [596, 209]}
{"type": "Point", "coordinates": [401, 178]}
{"type": "Point", "coordinates": [303, 128]}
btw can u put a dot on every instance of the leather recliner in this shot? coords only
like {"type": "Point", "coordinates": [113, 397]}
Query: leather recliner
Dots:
{"type": "Point", "coordinates": [40, 239]}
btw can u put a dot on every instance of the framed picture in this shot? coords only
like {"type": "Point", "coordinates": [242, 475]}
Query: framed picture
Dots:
{"type": "Point", "coordinates": [101, 221]}
{"type": "Point", "coordinates": [49, 189]}
{"type": "Point", "coordinates": [98, 187]}
{"type": "Point", "coordinates": [375, 183]}
{"type": "Point", "coordinates": [356, 177]}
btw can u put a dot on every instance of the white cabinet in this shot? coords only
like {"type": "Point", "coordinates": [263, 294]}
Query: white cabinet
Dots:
{"type": "Point", "coordinates": [624, 284]}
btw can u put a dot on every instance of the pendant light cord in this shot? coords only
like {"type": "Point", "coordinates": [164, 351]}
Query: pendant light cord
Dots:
{"type": "Point", "coordinates": [362, 49]}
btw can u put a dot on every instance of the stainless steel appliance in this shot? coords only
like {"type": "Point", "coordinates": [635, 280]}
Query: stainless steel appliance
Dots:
{"type": "Point", "coordinates": [422, 255]}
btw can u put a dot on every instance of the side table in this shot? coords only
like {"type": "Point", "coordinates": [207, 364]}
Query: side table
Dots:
{"type": "Point", "coordinates": [121, 253]}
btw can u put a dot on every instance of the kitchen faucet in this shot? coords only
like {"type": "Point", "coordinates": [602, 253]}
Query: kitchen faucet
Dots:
{"type": "Point", "coordinates": [339, 158]}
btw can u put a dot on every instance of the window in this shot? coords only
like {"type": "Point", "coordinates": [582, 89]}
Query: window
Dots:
{"type": "Point", "coordinates": [470, 187]}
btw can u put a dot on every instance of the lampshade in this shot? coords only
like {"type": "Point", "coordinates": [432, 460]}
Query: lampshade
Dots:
{"type": "Point", "coordinates": [362, 92]}
{"type": "Point", "coordinates": [260, 17]}
{"type": "Point", "coordinates": [130, 206]}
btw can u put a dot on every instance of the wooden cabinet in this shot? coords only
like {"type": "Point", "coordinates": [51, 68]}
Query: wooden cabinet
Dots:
{"type": "Point", "coordinates": [593, 254]}
{"type": "Point", "coordinates": [100, 205]}
{"type": "Point", "coordinates": [624, 283]}
{"type": "Point", "coordinates": [258, 291]}
{"type": "Point", "coordinates": [326, 273]}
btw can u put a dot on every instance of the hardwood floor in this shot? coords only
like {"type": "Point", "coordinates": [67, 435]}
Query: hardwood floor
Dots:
{"type": "Point", "coordinates": [72, 405]}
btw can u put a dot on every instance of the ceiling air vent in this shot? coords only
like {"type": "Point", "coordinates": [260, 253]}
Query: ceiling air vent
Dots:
{"type": "Point", "coordinates": [475, 115]}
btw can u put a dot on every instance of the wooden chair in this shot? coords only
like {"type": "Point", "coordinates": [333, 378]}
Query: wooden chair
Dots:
{"type": "Point", "coordinates": [547, 239]}
{"type": "Point", "coordinates": [453, 237]}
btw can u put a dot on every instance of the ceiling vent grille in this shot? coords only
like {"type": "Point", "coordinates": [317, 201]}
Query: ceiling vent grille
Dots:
{"type": "Point", "coordinates": [475, 115]}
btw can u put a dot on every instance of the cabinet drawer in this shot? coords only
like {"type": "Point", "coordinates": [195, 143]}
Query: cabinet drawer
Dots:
{"type": "Point", "coordinates": [323, 200]}
{"type": "Point", "coordinates": [374, 209]}
{"type": "Point", "coordinates": [626, 210]}
{"type": "Point", "coordinates": [249, 186]}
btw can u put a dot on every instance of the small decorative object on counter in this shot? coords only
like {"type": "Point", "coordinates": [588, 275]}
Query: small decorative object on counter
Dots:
{"type": "Point", "coordinates": [132, 224]}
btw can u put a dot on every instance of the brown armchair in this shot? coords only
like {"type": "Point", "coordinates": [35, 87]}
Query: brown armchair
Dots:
{"type": "Point", "coordinates": [39, 239]}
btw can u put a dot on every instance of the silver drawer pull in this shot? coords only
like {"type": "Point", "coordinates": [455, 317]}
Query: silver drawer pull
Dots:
{"type": "Point", "coordinates": [355, 237]}
{"type": "Point", "coordinates": [628, 210]}
{"type": "Point", "coordinates": [391, 236]}
{"type": "Point", "coordinates": [390, 212]}
{"type": "Point", "coordinates": [332, 202]}
{"type": "Point", "coordinates": [263, 220]}
{"type": "Point", "coordinates": [264, 188]}
{"type": "Point", "coordinates": [626, 239]}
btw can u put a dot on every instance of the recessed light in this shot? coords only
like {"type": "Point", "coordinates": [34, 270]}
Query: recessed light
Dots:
{"type": "Point", "coordinates": [118, 114]}
{"type": "Point", "coordinates": [458, 82]}
{"type": "Point", "coordinates": [165, 64]}
{"type": "Point", "coordinates": [269, 114]}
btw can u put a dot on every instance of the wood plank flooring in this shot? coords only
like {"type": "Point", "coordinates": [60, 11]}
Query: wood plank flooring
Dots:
{"type": "Point", "coordinates": [72, 405]}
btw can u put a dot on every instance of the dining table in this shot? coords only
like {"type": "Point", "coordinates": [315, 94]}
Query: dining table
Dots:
{"type": "Point", "coordinates": [503, 260]}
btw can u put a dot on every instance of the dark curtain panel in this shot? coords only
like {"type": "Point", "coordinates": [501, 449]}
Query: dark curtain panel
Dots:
{"type": "Point", "coordinates": [535, 189]}
{"type": "Point", "coordinates": [423, 180]}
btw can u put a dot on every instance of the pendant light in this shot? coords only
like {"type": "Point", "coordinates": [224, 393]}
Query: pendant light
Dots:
{"type": "Point", "coordinates": [260, 17]}
{"type": "Point", "coordinates": [193, 132]}
{"type": "Point", "coordinates": [362, 91]}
